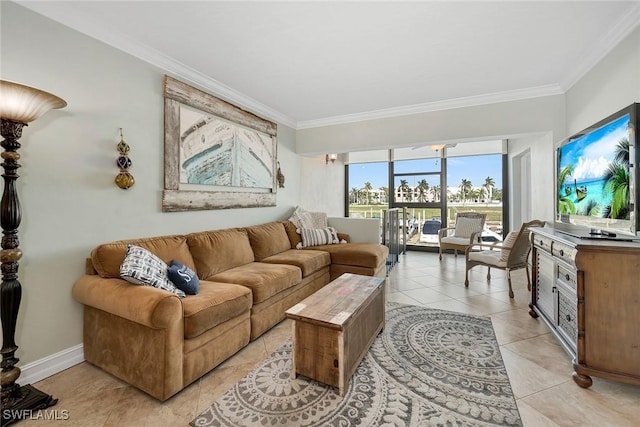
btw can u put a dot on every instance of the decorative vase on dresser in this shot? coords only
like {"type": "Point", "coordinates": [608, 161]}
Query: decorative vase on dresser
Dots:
{"type": "Point", "coordinates": [588, 293]}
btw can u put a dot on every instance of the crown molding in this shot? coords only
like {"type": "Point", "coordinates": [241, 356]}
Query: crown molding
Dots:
{"type": "Point", "coordinates": [470, 101]}
{"type": "Point", "coordinates": [69, 16]}
{"type": "Point", "coordinates": [606, 44]}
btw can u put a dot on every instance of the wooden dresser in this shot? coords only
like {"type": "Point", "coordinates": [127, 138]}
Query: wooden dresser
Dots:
{"type": "Point", "coordinates": [588, 292]}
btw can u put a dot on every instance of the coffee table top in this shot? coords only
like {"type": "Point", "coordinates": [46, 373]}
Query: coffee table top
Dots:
{"type": "Point", "coordinates": [338, 301]}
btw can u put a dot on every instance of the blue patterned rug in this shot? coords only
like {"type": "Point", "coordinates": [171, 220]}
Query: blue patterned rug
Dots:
{"type": "Point", "coordinates": [427, 368]}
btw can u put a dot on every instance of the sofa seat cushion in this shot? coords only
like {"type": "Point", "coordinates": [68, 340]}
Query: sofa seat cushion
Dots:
{"type": "Point", "coordinates": [213, 305]}
{"type": "Point", "coordinates": [107, 258]}
{"type": "Point", "coordinates": [264, 280]}
{"type": "Point", "coordinates": [308, 261]}
{"type": "Point", "coordinates": [370, 255]}
{"type": "Point", "coordinates": [268, 239]}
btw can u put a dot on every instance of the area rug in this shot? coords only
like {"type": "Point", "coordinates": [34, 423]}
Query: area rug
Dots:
{"type": "Point", "coordinates": [427, 368]}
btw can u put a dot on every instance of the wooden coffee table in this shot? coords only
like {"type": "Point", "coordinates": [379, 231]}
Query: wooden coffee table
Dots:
{"type": "Point", "coordinates": [334, 328]}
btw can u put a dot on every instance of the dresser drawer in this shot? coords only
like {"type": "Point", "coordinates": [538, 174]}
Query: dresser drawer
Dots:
{"type": "Point", "coordinates": [542, 242]}
{"type": "Point", "coordinates": [564, 252]}
{"type": "Point", "coordinates": [567, 276]}
{"type": "Point", "coordinates": [568, 319]}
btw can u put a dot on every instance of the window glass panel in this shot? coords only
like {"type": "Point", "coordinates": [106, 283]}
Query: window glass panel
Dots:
{"type": "Point", "coordinates": [419, 188]}
{"type": "Point", "coordinates": [474, 183]}
{"type": "Point", "coordinates": [368, 189]}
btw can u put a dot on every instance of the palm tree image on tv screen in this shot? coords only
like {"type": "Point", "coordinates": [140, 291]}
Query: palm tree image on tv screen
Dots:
{"type": "Point", "coordinates": [593, 177]}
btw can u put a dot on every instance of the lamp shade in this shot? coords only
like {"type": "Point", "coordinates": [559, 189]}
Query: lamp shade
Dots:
{"type": "Point", "coordinates": [24, 104]}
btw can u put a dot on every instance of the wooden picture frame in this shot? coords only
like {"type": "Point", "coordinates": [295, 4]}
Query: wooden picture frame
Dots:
{"type": "Point", "coordinates": [245, 178]}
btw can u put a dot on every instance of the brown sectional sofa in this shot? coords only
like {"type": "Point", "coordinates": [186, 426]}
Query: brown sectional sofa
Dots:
{"type": "Point", "coordinates": [249, 276]}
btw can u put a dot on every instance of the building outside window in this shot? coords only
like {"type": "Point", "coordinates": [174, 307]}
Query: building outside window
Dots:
{"type": "Point", "coordinates": [431, 186]}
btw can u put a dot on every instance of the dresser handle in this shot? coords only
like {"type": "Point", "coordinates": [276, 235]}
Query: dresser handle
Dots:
{"type": "Point", "coordinates": [561, 252]}
{"type": "Point", "coordinates": [541, 242]}
{"type": "Point", "coordinates": [567, 277]}
{"type": "Point", "coordinates": [568, 318]}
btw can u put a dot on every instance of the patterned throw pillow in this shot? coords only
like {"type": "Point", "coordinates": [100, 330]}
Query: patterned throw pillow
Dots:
{"type": "Point", "coordinates": [141, 267]}
{"type": "Point", "coordinates": [183, 277]}
{"type": "Point", "coordinates": [467, 226]}
{"type": "Point", "coordinates": [303, 218]}
{"type": "Point", "coordinates": [298, 217]}
{"type": "Point", "coordinates": [318, 236]}
{"type": "Point", "coordinates": [508, 242]}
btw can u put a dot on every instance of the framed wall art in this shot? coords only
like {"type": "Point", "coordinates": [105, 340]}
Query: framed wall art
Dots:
{"type": "Point", "coordinates": [216, 155]}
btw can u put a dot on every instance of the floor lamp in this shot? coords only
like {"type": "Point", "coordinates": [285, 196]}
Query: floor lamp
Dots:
{"type": "Point", "coordinates": [19, 105]}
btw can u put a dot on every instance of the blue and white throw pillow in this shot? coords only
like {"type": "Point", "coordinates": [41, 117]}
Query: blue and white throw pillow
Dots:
{"type": "Point", "coordinates": [183, 277]}
{"type": "Point", "coordinates": [141, 267]}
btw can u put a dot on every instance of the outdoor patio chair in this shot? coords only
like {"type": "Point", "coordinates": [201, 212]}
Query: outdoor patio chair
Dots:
{"type": "Point", "coordinates": [467, 231]}
{"type": "Point", "coordinates": [511, 254]}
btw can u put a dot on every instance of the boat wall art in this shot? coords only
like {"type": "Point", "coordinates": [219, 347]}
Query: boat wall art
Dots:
{"type": "Point", "coordinates": [217, 156]}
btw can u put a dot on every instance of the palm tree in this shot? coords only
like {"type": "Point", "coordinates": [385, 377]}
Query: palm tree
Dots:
{"type": "Point", "coordinates": [354, 195]}
{"type": "Point", "coordinates": [368, 187]}
{"type": "Point", "coordinates": [622, 152]}
{"type": "Point", "coordinates": [481, 193]}
{"type": "Point", "coordinates": [489, 183]}
{"type": "Point", "coordinates": [616, 179]}
{"type": "Point", "coordinates": [565, 204]}
{"type": "Point", "coordinates": [435, 190]}
{"type": "Point", "coordinates": [423, 188]}
{"type": "Point", "coordinates": [465, 188]}
{"type": "Point", "coordinates": [617, 182]}
{"type": "Point", "coordinates": [405, 190]}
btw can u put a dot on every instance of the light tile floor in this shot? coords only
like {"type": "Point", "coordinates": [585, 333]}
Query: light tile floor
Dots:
{"type": "Point", "coordinates": [538, 368]}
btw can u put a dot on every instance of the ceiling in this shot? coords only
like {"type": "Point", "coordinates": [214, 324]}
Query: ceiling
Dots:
{"type": "Point", "coordinates": [309, 64]}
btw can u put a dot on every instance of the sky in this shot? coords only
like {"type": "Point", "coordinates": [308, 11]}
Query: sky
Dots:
{"type": "Point", "coordinates": [474, 168]}
{"type": "Point", "coordinates": [591, 154]}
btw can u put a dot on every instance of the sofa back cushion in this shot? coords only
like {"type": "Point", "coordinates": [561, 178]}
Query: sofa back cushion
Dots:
{"type": "Point", "coordinates": [108, 257]}
{"type": "Point", "coordinates": [219, 250]}
{"type": "Point", "coordinates": [268, 239]}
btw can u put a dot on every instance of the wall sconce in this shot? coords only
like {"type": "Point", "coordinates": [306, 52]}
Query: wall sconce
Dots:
{"type": "Point", "coordinates": [331, 157]}
{"type": "Point", "coordinates": [19, 105]}
{"type": "Point", "coordinates": [437, 147]}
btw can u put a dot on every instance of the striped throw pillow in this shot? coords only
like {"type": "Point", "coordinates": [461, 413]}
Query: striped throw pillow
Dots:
{"type": "Point", "coordinates": [318, 236]}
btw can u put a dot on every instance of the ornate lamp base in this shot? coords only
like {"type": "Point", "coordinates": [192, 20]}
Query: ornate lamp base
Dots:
{"type": "Point", "coordinates": [26, 401]}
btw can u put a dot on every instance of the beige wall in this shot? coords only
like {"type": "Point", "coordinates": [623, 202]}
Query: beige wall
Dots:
{"type": "Point", "coordinates": [70, 203]}
{"type": "Point", "coordinates": [492, 121]}
{"type": "Point", "coordinates": [614, 83]}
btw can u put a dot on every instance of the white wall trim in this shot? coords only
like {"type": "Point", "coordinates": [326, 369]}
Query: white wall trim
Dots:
{"type": "Point", "coordinates": [50, 365]}
{"type": "Point", "coordinates": [449, 104]}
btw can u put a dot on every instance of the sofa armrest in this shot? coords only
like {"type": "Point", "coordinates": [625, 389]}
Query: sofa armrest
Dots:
{"type": "Point", "coordinates": [146, 305]}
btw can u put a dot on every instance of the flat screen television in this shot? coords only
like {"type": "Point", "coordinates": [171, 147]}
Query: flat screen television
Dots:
{"type": "Point", "coordinates": [597, 179]}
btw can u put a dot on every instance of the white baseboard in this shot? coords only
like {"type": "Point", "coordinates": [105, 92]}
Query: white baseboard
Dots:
{"type": "Point", "coordinates": [50, 365]}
